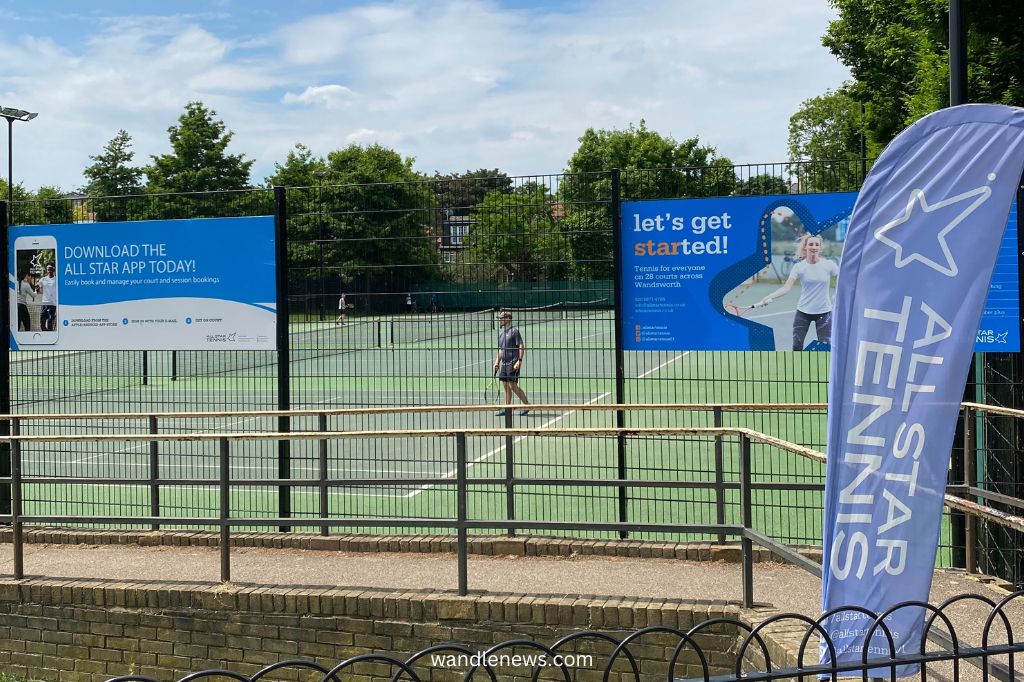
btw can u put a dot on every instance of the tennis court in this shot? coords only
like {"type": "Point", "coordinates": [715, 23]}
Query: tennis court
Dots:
{"type": "Point", "coordinates": [419, 360]}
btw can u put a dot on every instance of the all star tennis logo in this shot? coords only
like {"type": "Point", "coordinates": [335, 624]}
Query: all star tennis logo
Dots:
{"type": "Point", "coordinates": [896, 233]}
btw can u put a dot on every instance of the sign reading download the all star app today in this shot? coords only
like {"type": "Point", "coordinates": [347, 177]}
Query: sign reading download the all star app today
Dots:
{"type": "Point", "coordinates": [206, 284]}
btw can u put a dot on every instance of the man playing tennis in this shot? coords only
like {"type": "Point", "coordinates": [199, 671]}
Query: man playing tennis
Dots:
{"type": "Point", "coordinates": [509, 360]}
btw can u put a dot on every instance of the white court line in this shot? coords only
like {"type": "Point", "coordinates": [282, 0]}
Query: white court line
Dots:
{"type": "Point", "coordinates": [472, 364]}
{"type": "Point", "coordinates": [487, 455]}
{"type": "Point", "coordinates": [664, 364]}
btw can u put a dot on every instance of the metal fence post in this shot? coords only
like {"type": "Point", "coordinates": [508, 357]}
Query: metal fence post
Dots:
{"type": "Point", "coordinates": [145, 368]}
{"type": "Point", "coordinates": [719, 474]}
{"type": "Point", "coordinates": [154, 473]}
{"type": "Point", "coordinates": [461, 511]}
{"type": "Point", "coordinates": [16, 531]}
{"type": "Point", "coordinates": [746, 518]}
{"type": "Point", "coordinates": [225, 510]}
{"type": "Point", "coordinates": [325, 507]}
{"type": "Point", "coordinates": [971, 481]}
{"type": "Point", "coordinates": [510, 472]}
{"type": "Point", "coordinates": [620, 355]}
{"type": "Point", "coordinates": [284, 395]}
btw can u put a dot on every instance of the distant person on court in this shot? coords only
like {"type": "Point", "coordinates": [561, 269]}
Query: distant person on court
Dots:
{"type": "Point", "coordinates": [48, 311]}
{"type": "Point", "coordinates": [434, 302]}
{"type": "Point", "coordinates": [341, 310]}
{"type": "Point", "coordinates": [815, 274]}
{"type": "Point", "coordinates": [27, 290]}
{"type": "Point", "coordinates": [408, 303]}
{"type": "Point", "coordinates": [509, 360]}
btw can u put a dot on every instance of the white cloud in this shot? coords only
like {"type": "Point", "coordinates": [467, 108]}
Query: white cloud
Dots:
{"type": "Point", "coordinates": [456, 84]}
{"type": "Point", "coordinates": [327, 96]}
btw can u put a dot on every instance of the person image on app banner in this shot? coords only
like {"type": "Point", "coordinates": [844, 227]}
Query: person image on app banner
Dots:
{"type": "Point", "coordinates": [48, 312]}
{"type": "Point", "coordinates": [815, 274]}
{"type": "Point", "coordinates": [27, 290]}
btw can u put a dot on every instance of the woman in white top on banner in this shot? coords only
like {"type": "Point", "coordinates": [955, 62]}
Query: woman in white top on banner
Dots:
{"type": "Point", "coordinates": [815, 305]}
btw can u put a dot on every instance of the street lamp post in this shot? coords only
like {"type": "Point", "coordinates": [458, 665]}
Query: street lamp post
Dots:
{"type": "Point", "coordinates": [13, 115]}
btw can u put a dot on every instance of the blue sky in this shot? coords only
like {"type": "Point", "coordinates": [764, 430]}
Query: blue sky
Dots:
{"type": "Point", "coordinates": [456, 84]}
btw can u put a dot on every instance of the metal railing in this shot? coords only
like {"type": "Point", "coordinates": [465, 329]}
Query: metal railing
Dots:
{"type": "Point", "coordinates": [456, 481]}
{"type": "Point", "coordinates": [629, 656]}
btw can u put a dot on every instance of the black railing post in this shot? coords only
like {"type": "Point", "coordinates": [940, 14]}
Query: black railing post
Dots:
{"type": "Point", "coordinates": [325, 507]}
{"type": "Point", "coordinates": [225, 510]}
{"type": "Point", "coordinates": [719, 474]}
{"type": "Point", "coordinates": [746, 518]}
{"type": "Point", "coordinates": [461, 511]}
{"type": "Point", "coordinates": [154, 472]}
{"type": "Point", "coordinates": [971, 481]}
{"type": "Point", "coordinates": [18, 540]}
{"type": "Point", "coordinates": [284, 397]}
{"type": "Point", "coordinates": [5, 367]}
{"type": "Point", "coordinates": [620, 355]}
{"type": "Point", "coordinates": [145, 368]}
{"type": "Point", "coordinates": [174, 365]}
{"type": "Point", "coordinates": [510, 472]}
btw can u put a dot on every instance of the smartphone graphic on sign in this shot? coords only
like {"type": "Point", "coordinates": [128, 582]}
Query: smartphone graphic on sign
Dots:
{"type": "Point", "coordinates": [35, 313]}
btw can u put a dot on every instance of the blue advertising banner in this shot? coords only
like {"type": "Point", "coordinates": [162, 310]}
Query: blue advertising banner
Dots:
{"type": "Point", "coordinates": [757, 273]}
{"type": "Point", "coordinates": [204, 284]}
{"type": "Point", "coordinates": [920, 254]}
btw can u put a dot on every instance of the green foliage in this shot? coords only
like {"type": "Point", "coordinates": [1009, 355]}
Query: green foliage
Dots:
{"type": "Point", "coordinates": [54, 208]}
{"type": "Point", "coordinates": [827, 127]}
{"type": "Point", "coordinates": [586, 193]}
{"type": "Point", "coordinates": [19, 194]}
{"type": "Point", "coordinates": [761, 185]}
{"type": "Point", "coordinates": [897, 51]}
{"type": "Point", "coordinates": [826, 133]}
{"type": "Point", "coordinates": [519, 235]}
{"type": "Point", "coordinates": [198, 161]}
{"type": "Point", "coordinates": [371, 198]}
{"type": "Point", "coordinates": [112, 175]}
{"type": "Point", "coordinates": [460, 192]}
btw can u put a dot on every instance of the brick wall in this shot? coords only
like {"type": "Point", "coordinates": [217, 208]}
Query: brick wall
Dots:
{"type": "Point", "coordinates": [81, 630]}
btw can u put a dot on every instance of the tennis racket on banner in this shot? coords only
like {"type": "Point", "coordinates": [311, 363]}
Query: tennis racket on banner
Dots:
{"type": "Point", "coordinates": [741, 310]}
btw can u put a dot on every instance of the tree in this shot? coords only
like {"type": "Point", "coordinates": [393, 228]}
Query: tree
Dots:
{"type": "Point", "coordinates": [517, 235]}
{"type": "Point", "coordinates": [655, 167]}
{"type": "Point", "coordinates": [365, 220]}
{"type": "Point", "coordinates": [459, 192]}
{"type": "Point", "coordinates": [112, 175]}
{"type": "Point", "coordinates": [825, 141]}
{"type": "Point", "coordinates": [198, 161]}
{"type": "Point", "coordinates": [54, 208]}
{"type": "Point", "coordinates": [897, 51]}
{"type": "Point", "coordinates": [763, 184]}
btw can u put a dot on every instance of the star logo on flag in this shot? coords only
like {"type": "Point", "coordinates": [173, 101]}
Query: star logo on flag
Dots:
{"type": "Point", "coordinates": [1001, 338]}
{"type": "Point", "coordinates": [917, 197]}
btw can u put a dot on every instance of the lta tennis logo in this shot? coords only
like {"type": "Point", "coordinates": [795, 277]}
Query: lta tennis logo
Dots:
{"type": "Point", "coordinates": [918, 260]}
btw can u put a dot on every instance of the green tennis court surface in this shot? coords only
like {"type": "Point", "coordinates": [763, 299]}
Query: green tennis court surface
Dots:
{"type": "Point", "coordinates": [418, 360]}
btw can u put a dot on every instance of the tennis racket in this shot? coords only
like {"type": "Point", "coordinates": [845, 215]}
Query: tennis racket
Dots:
{"type": "Point", "coordinates": [741, 310]}
{"type": "Point", "coordinates": [492, 389]}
